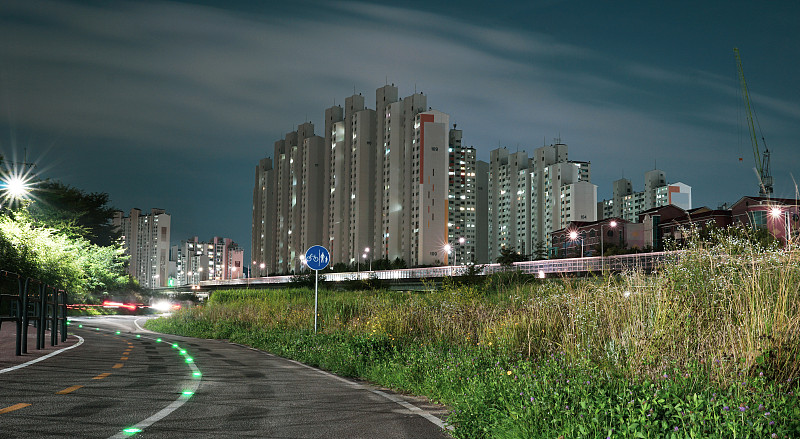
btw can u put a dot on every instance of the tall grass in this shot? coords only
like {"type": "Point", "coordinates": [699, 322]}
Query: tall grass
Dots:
{"type": "Point", "coordinates": [723, 318]}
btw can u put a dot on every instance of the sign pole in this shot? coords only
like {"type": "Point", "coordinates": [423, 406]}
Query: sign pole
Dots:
{"type": "Point", "coordinates": [317, 258]}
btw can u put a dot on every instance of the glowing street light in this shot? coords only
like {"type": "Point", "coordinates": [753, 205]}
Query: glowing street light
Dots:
{"type": "Point", "coordinates": [776, 213]}
{"type": "Point", "coordinates": [573, 236]}
{"type": "Point", "coordinates": [16, 187]}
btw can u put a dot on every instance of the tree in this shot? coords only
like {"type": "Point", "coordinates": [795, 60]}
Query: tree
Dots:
{"type": "Point", "coordinates": [74, 211]}
{"type": "Point", "coordinates": [399, 263]}
{"type": "Point", "coordinates": [540, 251]}
{"type": "Point", "coordinates": [508, 256]}
{"type": "Point", "coordinates": [58, 258]}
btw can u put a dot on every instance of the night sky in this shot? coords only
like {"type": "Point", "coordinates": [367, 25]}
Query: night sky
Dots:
{"type": "Point", "coordinates": [172, 104]}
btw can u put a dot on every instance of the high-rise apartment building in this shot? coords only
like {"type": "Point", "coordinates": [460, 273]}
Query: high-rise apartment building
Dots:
{"type": "Point", "coordinates": [263, 231]}
{"type": "Point", "coordinates": [529, 198]}
{"type": "Point", "coordinates": [375, 184]}
{"type": "Point", "coordinates": [482, 212]}
{"type": "Point", "coordinates": [146, 241]}
{"type": "Point", "coordinates": [462, 201]}
{"type": "Point", "coordinates": [627, 204]}
{"type": "Point", "coordinates": [509, 202]}
{"type": "Point", "coordinates": [217, 259]}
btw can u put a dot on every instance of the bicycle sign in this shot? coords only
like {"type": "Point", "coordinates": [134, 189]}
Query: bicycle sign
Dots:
{"type": "Point", "coordinates": [317, 257]}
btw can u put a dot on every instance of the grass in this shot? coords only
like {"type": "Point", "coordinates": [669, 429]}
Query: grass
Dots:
{"type": "Point", "coordinates": [707, 347]}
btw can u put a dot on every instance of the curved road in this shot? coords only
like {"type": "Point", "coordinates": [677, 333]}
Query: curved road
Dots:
{"type": "Point", "coordinates": [124, 381]}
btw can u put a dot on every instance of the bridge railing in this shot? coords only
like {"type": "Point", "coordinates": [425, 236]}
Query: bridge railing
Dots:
{"type": "Point", "coordinates": [543, 268]}
{"type": "Point", "coordinates": [29, 302]}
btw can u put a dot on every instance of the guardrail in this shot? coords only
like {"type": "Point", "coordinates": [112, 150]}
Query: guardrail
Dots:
{"type": "Point", "coordinates": [545, 268]}
{"type": "Point", "coordinates": [26, 302]}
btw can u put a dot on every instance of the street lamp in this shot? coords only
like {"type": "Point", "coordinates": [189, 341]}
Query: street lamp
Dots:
{"type": "Point", "coordinates": [573, 236]}
{"type": "Point", "coordinates": [613, 225]}
{"type": "Point", "coordinates": [461, 242]}
{"type": "Point", "coordinates": [261, 272]}
{"type": "Point", "coordinates": [366, 253]}
{"type": "Point", "coordinates": [447, 247]}
{"type": "Point", "coordinates": [776, 213]}
{"type": "Point", "coordinates": [16, 187]}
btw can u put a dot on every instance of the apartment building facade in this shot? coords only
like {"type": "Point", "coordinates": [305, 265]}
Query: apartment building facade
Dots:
{"type": "Point", "coordinates": [462, 224]}
{"type": "Point", "coordinates": [216, 259]}
{"type": "Point", "coordinates": [531, 197]}
{"type": "Point", "coordinates": [375, 183]}
{"type": "Point", "coordinates": [146, 240]}
{"type": "Point", "coordinates": [627, 204]}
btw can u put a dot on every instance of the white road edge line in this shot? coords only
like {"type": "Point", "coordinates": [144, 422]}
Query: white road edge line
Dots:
{"type": "Point", "coordinates": [410, 407]}
{"type": "Point", "coordinates": [20, 366]}
{"type": "Point", "coordinates": [163, 413]}
{"type": "Point", "coordinates": [136, 322]}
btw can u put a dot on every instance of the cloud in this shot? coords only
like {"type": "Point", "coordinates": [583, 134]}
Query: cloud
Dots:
{"type": "Point", "coordinates": [198, 80]}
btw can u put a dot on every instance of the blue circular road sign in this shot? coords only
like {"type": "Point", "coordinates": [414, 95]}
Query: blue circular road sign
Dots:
{"type": "Point", "coordinates": [317, 257]}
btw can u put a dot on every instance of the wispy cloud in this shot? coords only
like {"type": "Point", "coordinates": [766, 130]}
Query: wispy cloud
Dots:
{"type": "Point", "coordinates": [169, 76]}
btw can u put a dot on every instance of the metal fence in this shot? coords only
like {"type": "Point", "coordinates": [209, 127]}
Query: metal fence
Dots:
{"type": "Point", "coordinates": [29, 302]}
{"type": "Point", "coordinates": [545, 268]}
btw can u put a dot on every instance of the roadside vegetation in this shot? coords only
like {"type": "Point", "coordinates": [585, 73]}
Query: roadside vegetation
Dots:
{"type": "Point", "coordinates": [709, 346]}
{"type": "Point", "coordinates": [63, 237]}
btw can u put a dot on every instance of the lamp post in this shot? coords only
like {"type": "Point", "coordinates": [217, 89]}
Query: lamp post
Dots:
{"type": "Point", "coordinates": [261, 271]}
{"type": "Point", "coordinates": [461, 242]}
{"type": "Point", "coordinates": [613, 225]}
{"type": "Point", "coordinates": [366, 254]}
{"type": "Point", "coordinates": [15, 187]}
{"type": "Point", "coordinates": [777, 212]}
{"type": "Point", "coordinates": [574, 236]}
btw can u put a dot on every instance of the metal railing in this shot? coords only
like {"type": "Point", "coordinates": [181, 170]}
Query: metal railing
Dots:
{"type": "Point", "coordinates": [545, 268]}
{"type": "Point", "coordinates": [27, 302]}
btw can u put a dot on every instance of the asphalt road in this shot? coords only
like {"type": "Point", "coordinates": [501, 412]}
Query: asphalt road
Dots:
{"type": "Point", "coordinates": [123, 381]}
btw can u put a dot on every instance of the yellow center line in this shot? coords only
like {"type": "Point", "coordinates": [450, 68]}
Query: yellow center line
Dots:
{"type": "Point", "coordinates": [123, 358]}
{"type": "Point", "coordinates": [117, 366]}
{"type": "Point", "coordinates": [68, 390]}
{"type": "Point", "coordinates": [21, 405]}
{"type": "Point", "coordinates": [101, 376]}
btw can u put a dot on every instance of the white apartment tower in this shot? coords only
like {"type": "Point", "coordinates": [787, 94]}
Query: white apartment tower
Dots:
{"type": "Point", "coordinates": [429, 154]}
{"type": "Point", "coordinates": [351, 142]}
{"type": "Point", "coordinates": [218, 259]}
{"type": "Point", "coordinates": [509, 202]}
{"type": "Point", "coordinates": [376, 185]}
{"type": "Point", "coordinates": [529, 198]}
{"type": "Point", "coordinates": [263, 232]}
{"type": "Point", "coordinates": [293, 183]}
{"type": "Point", "coordinates": [146, 241]}
{"type": "Point", "coordinates": [627, 204]}
{"type": "Point", "coordinates": [396, 130]}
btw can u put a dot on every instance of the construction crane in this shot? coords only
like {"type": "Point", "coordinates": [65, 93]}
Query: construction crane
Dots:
{"type": "Point", "coordinates": [762, 161]}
